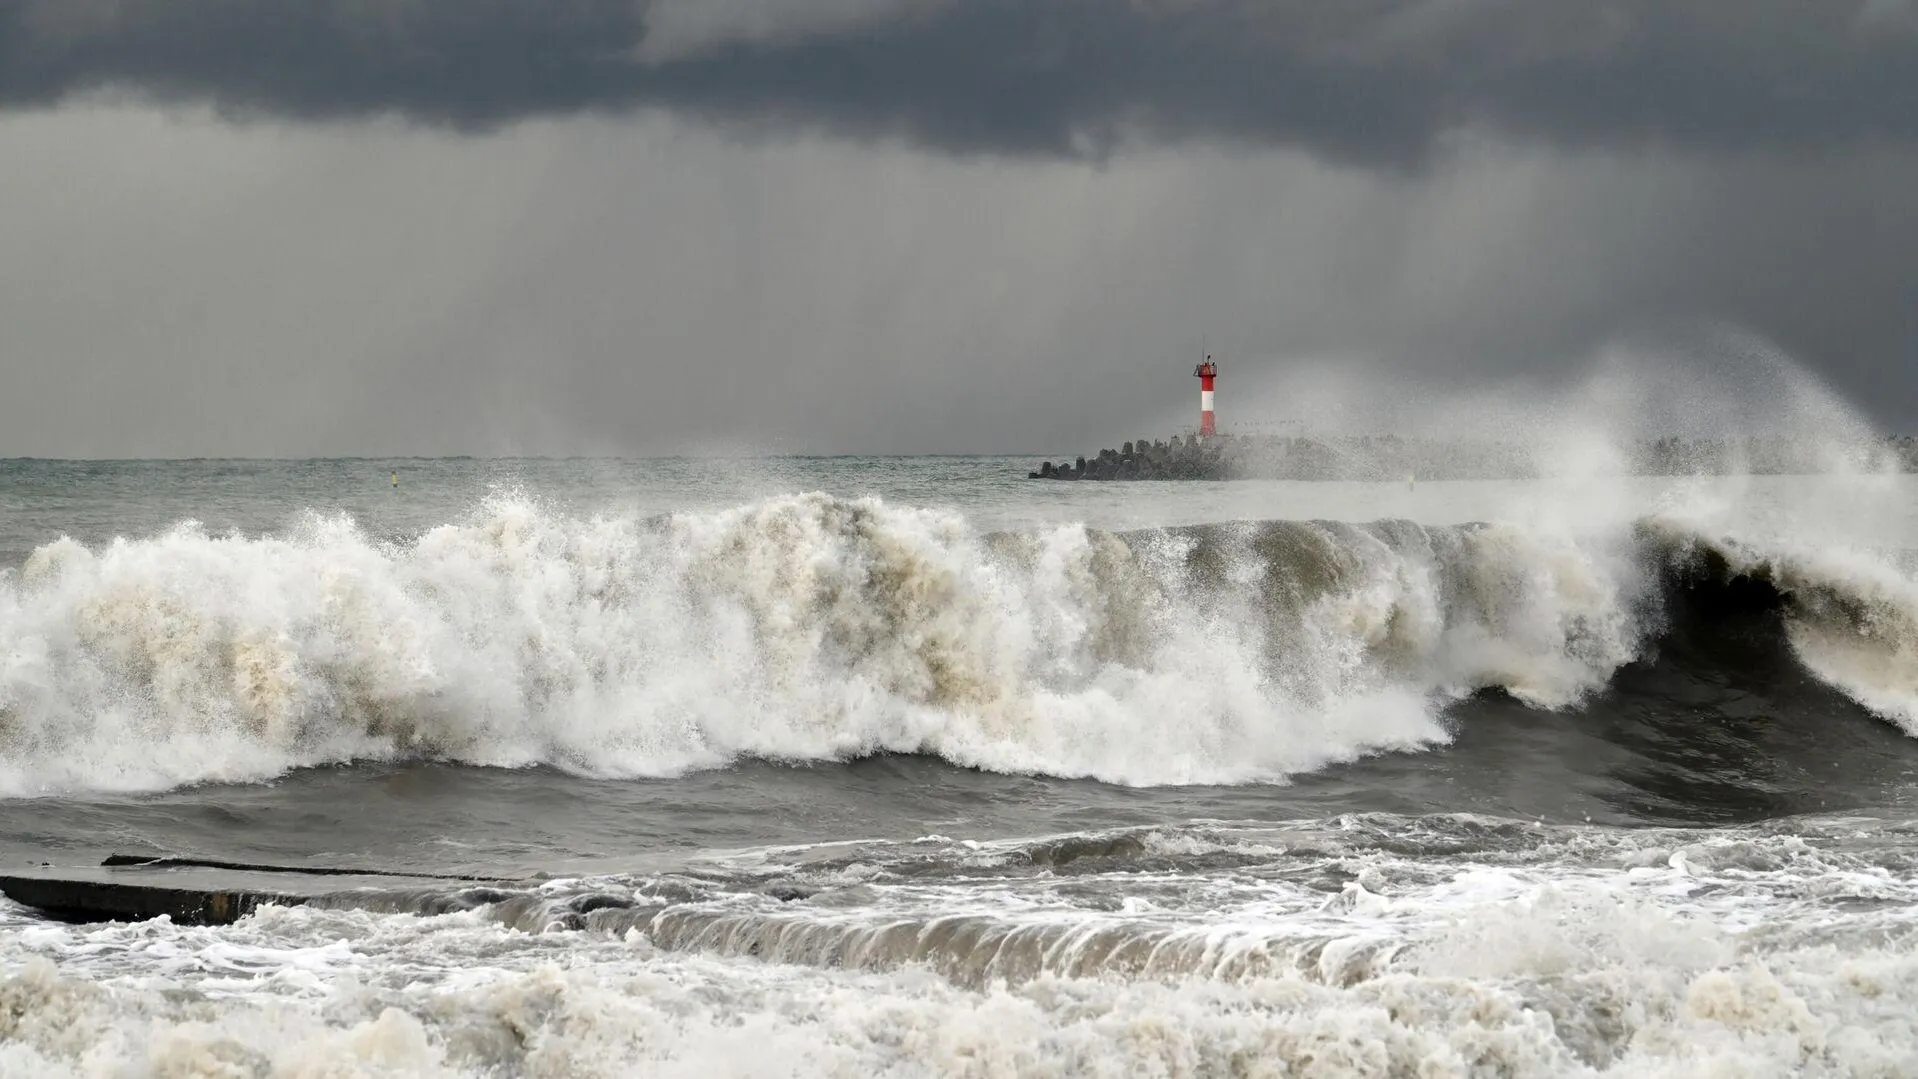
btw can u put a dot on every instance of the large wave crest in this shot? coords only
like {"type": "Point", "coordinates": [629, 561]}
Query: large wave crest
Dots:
{"type": "Point", "coordinates": [805, 628]}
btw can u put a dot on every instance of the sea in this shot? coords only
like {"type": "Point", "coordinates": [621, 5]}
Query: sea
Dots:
{"type": "Point", "coordinates": [917, 767]}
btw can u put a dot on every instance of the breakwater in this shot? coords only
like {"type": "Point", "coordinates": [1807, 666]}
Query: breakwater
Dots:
{"type": "Point", "coordinates": [1181, 458]}
{"type": "Point", "coordinates": [1392, 457]}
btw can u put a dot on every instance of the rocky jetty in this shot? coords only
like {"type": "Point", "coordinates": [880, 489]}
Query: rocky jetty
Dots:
{"type": "Point", "coordinates": [1179, 459]}
{"type": "Point", "coordinates": [1392, 458]}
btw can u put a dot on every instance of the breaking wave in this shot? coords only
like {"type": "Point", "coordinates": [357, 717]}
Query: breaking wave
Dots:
{"type": "Point", "coordinates": [1359, 946]}
{"type": "Point", "coordinates": [808, 627]}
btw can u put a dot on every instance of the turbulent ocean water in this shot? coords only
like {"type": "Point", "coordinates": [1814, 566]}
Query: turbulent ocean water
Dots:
{"type": "Point", "coordinates": [866, 767]}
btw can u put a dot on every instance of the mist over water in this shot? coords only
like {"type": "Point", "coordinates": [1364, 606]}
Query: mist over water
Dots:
{"type": "Point", "coordinates": [626, 637]}
{"type": "Point", "coordinates": [909, 766]}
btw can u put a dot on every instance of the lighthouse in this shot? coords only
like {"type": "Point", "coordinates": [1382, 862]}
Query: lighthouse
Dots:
{"type": "Point", "coordinates": [1206, 372]}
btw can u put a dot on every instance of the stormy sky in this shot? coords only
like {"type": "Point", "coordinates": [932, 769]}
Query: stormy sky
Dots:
{"type": "Point", "coordinates": [643, 226]}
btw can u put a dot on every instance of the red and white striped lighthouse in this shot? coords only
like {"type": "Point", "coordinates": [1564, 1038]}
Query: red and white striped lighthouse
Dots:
{"type": "Point", "coordinates": [1206, 371]}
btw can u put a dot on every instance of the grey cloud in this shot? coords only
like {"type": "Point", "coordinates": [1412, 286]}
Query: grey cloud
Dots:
{"type": "Point", "coordinates": [683, 29]}
{"type": "Point", "coordinates": [1377, 81]}
{"type": "Point", "coordinates": [174, 285]}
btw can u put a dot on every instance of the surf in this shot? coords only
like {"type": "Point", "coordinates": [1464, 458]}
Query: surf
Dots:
{"type": "Point", "coordinates": [812, 627]}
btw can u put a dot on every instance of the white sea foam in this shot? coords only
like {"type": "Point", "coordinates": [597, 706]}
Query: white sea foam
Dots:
{"type": "Point", "coordinates": [1633, 954]}
{"type": "Point", "coordinates": [802, 627]}
{"type": "Point", "coordinates": [809, 627]}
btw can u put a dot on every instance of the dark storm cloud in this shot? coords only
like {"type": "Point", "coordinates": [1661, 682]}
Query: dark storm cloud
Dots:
{"type": "Point", "coordinates": [1357, 80]}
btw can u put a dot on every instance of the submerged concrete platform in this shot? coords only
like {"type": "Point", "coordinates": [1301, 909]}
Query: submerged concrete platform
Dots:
{"type": "Point", "coordinates": [128, 889]}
